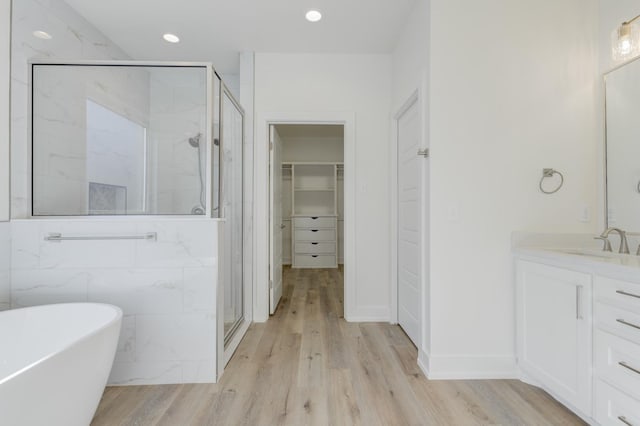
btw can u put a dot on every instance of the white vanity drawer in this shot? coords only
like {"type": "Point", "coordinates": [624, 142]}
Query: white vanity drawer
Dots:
{"type": "Point", "coordinates": [619, 292]}
{"type": "Point", "coordinates": [315, 261]}
{"type": "Point", "coordinates": [315, 248]}
{"type": "Point", "coordinates": [620, 322]}
{"type": "Point", "coordinates": [315, 235]}
{"type": "Point", "coordinates": [613, 407]}
{"type": "Point", "coordinates": [617, 361]}
{"type": "Point", "coordinates": [314, 222]}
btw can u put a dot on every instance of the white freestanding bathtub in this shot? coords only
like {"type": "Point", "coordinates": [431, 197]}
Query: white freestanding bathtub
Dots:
{"type": "Point", "coordinates": [55, 361]}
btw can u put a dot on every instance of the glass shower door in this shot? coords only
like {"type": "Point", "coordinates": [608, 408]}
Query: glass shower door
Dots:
{"type": "Point", "coordinates": [232, 141]}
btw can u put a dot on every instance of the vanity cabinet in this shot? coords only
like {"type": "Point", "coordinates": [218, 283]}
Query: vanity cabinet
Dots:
{"type": "Point", "coordinates": [578, 334]}
{"type": "Point", "coordinates": [554, 331]}
{"type": "Point", "coordinates": [616, 351]}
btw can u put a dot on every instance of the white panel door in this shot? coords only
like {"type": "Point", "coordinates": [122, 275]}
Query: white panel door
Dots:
{"type": "Point", "coordinates": [410, 166]}
{"type": "Point", "coordinates": [275, 269]}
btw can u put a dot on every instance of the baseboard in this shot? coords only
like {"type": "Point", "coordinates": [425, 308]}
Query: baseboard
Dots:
{"type": "Point", "coordinates": [464, 367]}
{"type": "Point", "coordinates": [423, 362]}
{"type": "Point", "coordinates": [368, 314]}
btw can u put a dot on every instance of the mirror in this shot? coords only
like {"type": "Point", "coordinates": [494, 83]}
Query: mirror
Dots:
{"type": "Point", "coordinates": [623, 146]}
{"type": "Point", "coordinates": [119, 140]}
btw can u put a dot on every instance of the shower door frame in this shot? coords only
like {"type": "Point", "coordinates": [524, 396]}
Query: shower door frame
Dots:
{"type": "Point", "coordinates": [211, 111]}
{"type": "Point", "coordinates": [240, 326]}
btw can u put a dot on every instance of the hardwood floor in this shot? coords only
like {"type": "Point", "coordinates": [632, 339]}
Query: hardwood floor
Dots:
{"type": "Point", "coordinates": [307, 366]}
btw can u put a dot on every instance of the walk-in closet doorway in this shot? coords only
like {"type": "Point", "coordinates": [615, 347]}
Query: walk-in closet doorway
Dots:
{"type": "Point", "coordinates": [306, 210]}
{"type": "Point", "coordinates": [319, 215]}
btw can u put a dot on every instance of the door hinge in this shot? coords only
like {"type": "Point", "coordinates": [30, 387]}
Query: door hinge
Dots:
{"type": "Point", "coordinates": [424, 152]}
{"type": "Point", "coordinates": [270, 285]}
{"type": "Point", "coordinates": [270, 146]}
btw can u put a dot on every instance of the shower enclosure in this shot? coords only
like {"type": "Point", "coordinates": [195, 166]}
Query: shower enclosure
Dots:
{"type": "Point", "coordinates": [114, 138]}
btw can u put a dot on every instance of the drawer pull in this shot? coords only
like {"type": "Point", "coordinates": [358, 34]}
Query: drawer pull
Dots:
{"type": "Point", "coordinates": [314, 230]}
{"type": "Point", "coordinates": [314, 255]}
{"type": "Point", "coordinates": [628, 367]}
{"type": "Point", "coordinates": [624, 420]}
{"type": "Point", "coordinates": [621, 321]}
{"type": "Point", "coordinates": [314, 244]}
{"type": "Point", "coordinates": [624, 293]}
{"type": "Point", "coordinates": [314, 217]}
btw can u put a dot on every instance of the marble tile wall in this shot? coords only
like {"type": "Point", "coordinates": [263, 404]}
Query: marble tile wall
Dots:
{"type": "Point", "coordinates": [61, 122]}
{"type": "Point", "coordinates": [73, 38]}
{"type": "Point", "coordinates": [5, 265]}
{"type": "Point", "coordinates": [167, 288]}
{"type": "Point", "coordinates": [178, 109]}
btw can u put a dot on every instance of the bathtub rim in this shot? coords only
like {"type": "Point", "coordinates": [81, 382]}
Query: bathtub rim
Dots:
{"type": "Point", "coordinates": [118, 317]}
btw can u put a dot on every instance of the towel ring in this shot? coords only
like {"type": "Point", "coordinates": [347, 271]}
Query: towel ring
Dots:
{"type": "Point", "coordinates": [547, 173]}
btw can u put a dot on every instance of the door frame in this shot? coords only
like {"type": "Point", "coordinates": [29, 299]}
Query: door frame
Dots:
{"type": "Point", "coordinates": [414, 99]}
{"type": "Point", "coordinates": [262, 195]}
{"type": "Point", "coordinates": [272, 230]}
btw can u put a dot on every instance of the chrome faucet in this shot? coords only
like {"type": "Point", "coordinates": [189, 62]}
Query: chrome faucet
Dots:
{"type": "Point", "coordinates": [624, 246]}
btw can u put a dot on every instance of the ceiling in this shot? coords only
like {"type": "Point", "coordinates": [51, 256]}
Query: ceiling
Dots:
{"type": "Point", "coordinates": [217, 30]}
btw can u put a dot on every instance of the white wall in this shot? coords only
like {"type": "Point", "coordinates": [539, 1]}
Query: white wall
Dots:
{"type": "Point", "coordinates": [5, 84]}
{"type": "Point", "coordinates": [513, 90]}
{"type": "Point", "coordinates": [5, 234]}
{"type": "Point", "coordinates": [318, 85]}
{"type": "Point", "coordinates": [5, 265]}
{"type": "Point", "coordinates": [312, 143]}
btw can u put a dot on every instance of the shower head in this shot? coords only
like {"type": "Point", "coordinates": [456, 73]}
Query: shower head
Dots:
{"type": "Point", "coordinates": [195, 140]}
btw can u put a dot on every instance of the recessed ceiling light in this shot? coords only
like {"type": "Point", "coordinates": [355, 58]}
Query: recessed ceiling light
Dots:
{"type": "Point", "coordinates": [171, 38]}
{"type": "Point", "coordinates": [313, 15]}
{"type": "Point", "coordinates": [42, 35]}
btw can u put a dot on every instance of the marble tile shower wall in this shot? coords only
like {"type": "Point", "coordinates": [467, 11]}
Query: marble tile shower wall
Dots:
{"type": "Point", "coordinates": [167, 289]}
{"type": "Point", "coordinates": [5, 265]}
{"type": "Point", "coordinates": [74, 38]}
{"type": "Point", "coordinates": [177, 113]}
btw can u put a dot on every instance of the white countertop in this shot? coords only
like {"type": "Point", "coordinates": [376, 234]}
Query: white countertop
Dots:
{"type": "Point", "coordinates": [625, 266]}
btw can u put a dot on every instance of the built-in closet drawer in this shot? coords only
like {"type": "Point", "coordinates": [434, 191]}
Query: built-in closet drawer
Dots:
{"type": "Point", "coordinates": [315, 235]}
{"type": "Point", "coordinates": [617, 361]}
{"type": "Point", "coordinates": [315, 248]}
{"type": "Point", "coordinates": [614, 407]}
{"type": "Point", "coordinates": [617, 292]}
{"type": "Point", "coordinates": [314, 222]}
{"type": "Point", "coordinates": [618, 321]}
{"type": "Point", "coordinates": [315, 261]}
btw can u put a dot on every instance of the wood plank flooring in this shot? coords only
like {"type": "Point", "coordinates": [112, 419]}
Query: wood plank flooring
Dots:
{"type": "Point", "coordinates": [307, 366]}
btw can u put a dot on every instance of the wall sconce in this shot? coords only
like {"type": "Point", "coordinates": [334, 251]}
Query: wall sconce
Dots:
{"type": "Point", "coordinates": [626, 40]}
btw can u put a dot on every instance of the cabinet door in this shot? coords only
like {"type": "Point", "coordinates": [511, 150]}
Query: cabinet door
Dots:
{"type": "Point", "coordinates": [554, 330]}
